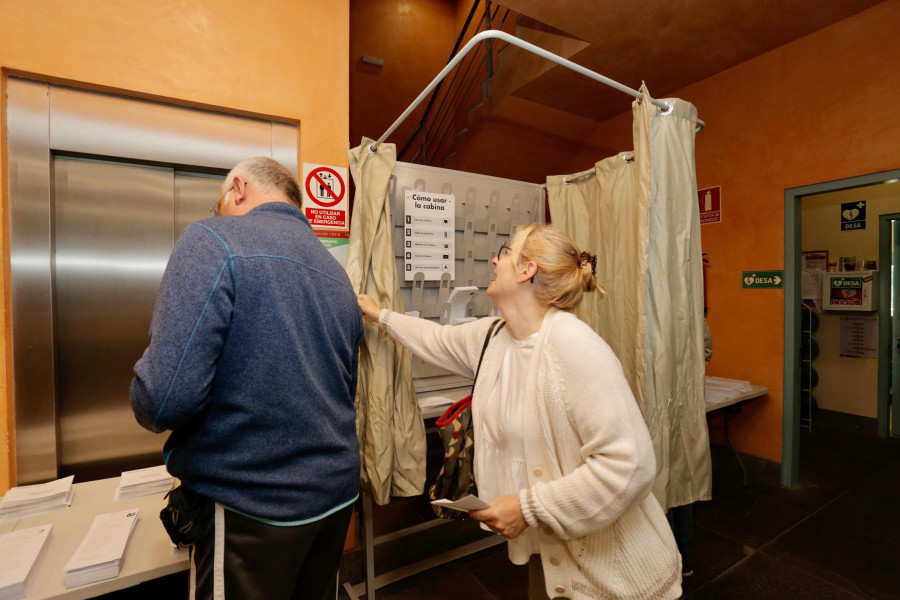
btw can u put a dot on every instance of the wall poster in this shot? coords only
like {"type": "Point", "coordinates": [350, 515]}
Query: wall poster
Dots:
{"type": "Point", "coordinates": [429, 239]}
{"type": "Point", "coordinates": [859, 337]}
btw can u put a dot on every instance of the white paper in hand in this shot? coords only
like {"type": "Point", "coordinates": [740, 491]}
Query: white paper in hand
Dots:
{"type": "Point", "coordinates": [465, 504]}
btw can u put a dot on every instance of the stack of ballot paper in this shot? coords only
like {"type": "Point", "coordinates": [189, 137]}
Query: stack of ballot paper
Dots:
{"type": "Point", "coordinates": [144, 482]}
{"type": "Point", "coordinates": [28, 500]}
{"type": "Point", "coordinates": [20, 551]}
{"type": "Point", "coordinates": [99, 556]}
{"type": "Point", "coordinates": [720, 388]}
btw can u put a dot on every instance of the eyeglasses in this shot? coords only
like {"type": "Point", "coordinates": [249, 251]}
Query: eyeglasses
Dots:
{"type": "Point", "coordinates": [214, 209]}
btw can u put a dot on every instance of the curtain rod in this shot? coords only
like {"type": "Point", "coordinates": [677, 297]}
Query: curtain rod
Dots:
{"type": "Point", "coordinates": [628, 158]}
{"type": "Point", "coordinates": [502, 35]}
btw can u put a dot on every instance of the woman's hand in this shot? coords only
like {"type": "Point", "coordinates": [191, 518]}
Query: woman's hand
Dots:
{"type": "Point", "coordinates": [370, 310]}
{"type": "Point", "coordinates": [504, 516]}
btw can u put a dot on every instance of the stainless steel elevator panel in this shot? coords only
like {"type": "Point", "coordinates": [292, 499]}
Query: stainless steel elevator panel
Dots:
{"type": "Point", "coordinates": [30, 280]}
{"type": "Point", "coordinates": [113, 236]}
{"type": "Point", "coordinates": [195, 194]}
{"type": "Point", "coordinates": [108, 256]}
{"type": "Point", "coordinates": [105, 125]}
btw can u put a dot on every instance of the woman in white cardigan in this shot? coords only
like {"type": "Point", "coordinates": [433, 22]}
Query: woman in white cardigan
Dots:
{"type": "Point", "coordinates": [561, 448]}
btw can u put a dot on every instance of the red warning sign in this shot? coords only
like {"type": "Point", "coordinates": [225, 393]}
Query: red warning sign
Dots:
{"type": "Point", "coordinates": [324, 186]}
{"type": "Point", "coordinates": [326, 195]}
{"type": "Point", "coordinates": [710, 205]}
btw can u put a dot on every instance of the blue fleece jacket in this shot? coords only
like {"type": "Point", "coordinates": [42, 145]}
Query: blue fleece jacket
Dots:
{"type": "Point", "coordinates": [252, 364]}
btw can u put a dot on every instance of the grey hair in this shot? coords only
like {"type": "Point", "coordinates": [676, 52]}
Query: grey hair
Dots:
{"type": "Point", "coordinates": [267, 173]}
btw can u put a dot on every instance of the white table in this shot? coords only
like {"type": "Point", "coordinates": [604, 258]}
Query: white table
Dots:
{"type": "Point", "coordinates": [148, 556]}
{"type": "Point", "coordinates": [733, 406]}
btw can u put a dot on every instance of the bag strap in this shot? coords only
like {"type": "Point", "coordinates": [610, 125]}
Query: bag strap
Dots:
{"type": "Point", "coordinates": [494, 330]}
{"type": "Point", "coordinates": [454, 410]}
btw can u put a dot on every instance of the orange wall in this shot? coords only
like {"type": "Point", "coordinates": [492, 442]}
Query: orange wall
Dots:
{"type": "Point", "coordinates": [415, 38]}
{"type": "Point", "coordinates": [816, 110]}
{"type": "Point", "coordinates": [285, 58]}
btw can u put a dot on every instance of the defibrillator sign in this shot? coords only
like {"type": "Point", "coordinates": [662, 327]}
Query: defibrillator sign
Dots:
{"type": "Point", "coordinates": [325, 200]}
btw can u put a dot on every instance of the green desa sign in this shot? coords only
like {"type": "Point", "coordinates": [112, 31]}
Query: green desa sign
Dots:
{"type": "Point", "coordinates": [751, 280]}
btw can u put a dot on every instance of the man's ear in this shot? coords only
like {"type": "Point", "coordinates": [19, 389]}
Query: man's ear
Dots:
{"type": "Point", "coordinates": [239, 189]}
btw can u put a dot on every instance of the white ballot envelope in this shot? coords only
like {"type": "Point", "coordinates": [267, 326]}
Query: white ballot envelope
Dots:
{"type": "Point", "coordinates": [465, 504]}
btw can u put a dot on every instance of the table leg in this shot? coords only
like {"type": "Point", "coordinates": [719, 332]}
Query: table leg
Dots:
{"type": "Point", "coordinates": [728, 413]}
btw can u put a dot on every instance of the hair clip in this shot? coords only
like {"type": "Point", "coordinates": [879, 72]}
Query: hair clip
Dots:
{"type": "Point", "coordinates": [587, 257]}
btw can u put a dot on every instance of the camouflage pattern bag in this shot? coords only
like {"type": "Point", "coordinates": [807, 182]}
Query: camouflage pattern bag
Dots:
{"type": "Point", "coordinates": [456, 477]}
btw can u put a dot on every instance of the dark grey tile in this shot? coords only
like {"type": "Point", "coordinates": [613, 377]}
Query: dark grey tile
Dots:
{"type": "Point", "coordinates": [812, 493]}
{"type": "Point", "coordinates": [712, 554]}
{"type": "Point", "coordinates": [833, 461]}
{"type": "Point", "coordinates": [496, 573]}
{"type": "Point", "coordinates": [846, 443]}
{"type": "Point", "coordinates": [761, 577]}
{"type": "Point", "coordinates": [870, 507]}
{"type": "Point", "coordinates": [443, 583]}
{"type": "Point", "coordinates": [862, 562]}
{"type": "Point", "coordinates": [746, 517]}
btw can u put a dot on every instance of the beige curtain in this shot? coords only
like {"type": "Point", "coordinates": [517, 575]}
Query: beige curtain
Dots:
{"type": "Point", "coordinates": [637, 217]}
{"type": "Point", "coordinates": [675, 359]}
{"type": "Point", "coordinates": [605, 213]}
{"type": "Point", "coordinates": [388, 422]}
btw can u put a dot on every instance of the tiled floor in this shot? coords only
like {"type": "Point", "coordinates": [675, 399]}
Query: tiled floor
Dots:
{"type": "Point", "coordinates": [835, 536]}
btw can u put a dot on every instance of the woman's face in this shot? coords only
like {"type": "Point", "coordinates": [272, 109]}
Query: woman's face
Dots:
{"type": "Point", "coordinates": [504, 274]}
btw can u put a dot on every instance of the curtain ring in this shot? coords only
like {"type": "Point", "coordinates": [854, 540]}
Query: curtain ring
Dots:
{"type": "Point", "coordinates": [566, 180]}
{"type": "Point", "coordinates": [668, 110]}
{"type": "Point", "coordinates": [373, 148]}
{"type": "Point", "coordinates": [628, 158]}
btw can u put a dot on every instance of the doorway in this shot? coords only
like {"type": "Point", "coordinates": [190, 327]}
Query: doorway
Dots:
{"type": "Point", "coordinates": [792, 318]}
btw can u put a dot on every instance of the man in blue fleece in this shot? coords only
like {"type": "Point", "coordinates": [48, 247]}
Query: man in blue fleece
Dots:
{"type": "Point", "coordinates": [252, 364]}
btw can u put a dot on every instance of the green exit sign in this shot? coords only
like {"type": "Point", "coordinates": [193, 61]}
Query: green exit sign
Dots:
{"type": "Point", "coordinates": [752, 280]}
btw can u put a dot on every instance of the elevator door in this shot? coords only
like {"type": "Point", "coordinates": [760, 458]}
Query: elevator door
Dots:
{"type": "Point", "coordinates": [114, 228]}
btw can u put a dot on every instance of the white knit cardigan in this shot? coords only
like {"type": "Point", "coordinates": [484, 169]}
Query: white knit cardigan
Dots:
{"type": "Point", "coordinates": [588, 455]}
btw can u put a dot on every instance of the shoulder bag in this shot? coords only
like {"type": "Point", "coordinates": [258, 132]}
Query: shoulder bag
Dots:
{"type": "Point", "coordinates": [456, 477]}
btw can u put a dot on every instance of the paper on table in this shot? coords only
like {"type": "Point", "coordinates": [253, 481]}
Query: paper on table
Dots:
{"type": "Point", "coordinates": [465, 504]}
{"type": "Point", "coordinates": [20, 551]}
{"type": "Point", "coordinates": [19, 511]}
{"type": "Point", "coordinates": [105, 541]}
{"type": "Point", "coordinates": [32, 493]}
{"type": "Point", "coordinates": [139, 476]}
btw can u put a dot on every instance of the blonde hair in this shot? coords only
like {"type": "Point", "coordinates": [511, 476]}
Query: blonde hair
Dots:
{"type": "Point", "coordinates": [562, 276]}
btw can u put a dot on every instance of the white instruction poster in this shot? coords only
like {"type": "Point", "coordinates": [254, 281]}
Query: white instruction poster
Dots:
{"type": "Point", "coordinates": [859, 337]}
{"type": "Point", "coordinates": [429, 235]}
